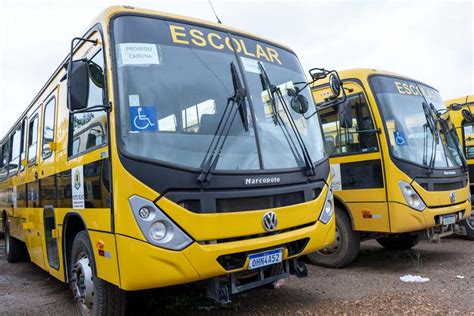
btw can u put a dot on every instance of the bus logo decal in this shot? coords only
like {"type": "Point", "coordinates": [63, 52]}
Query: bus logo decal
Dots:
{"type": "Point", "coordinates": [452, 197]}
{"type": "Point", "coordinates": [270, 221]}
{"type": "Point", "coordinates": [261, 180]}
{"type": "Point", "coordinates": [77, 187]}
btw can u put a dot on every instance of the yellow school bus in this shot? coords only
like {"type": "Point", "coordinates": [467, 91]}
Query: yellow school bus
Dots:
{"type": "Point", "coordinates": [163, 151]}
{"type": "Point", "coordinates": [463, 122]}
{"type": "Point", "coordinates": [398, 170]}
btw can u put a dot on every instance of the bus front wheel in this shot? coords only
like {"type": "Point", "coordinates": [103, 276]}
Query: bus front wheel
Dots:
{"type": "Point", "coordinates": [93, 296]}
{"type": "Point", "coordinates": [469, 226]}
{"type": "Point", "coordinates": [345, 248]}
{"type": "Point", "coordinates": [399, 241]}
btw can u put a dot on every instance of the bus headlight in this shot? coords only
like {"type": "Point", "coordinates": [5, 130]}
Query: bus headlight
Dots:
{"type": "Point", "coordinates": [411, 197]}
{"type": "Point", "coordinates": [328, 209]}
{"type": "Point", "coordinates": [156, 226]}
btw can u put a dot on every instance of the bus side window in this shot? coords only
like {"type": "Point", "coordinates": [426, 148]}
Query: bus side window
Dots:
{"type": "Point", "coordinates": [48, 127]}
{"type": "Point", "coordinates": [33, 139]}
{"type": "Point", "coordinates": [5, 159]}
{"type": "Point", "coordinates": [468, 132]}
{"type": "Point", "coordinates": [360, 138]}
{"type": "Point", "coordinates": [89, 129]}
{"type": "Point", "coordinates": [15, 151]}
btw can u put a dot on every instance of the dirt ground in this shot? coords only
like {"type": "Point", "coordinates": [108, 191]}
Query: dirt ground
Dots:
{"type": "Point", "coordinates": [371, 286]}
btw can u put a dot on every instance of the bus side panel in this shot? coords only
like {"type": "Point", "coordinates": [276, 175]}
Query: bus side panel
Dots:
{"type": "Point", "coordinates": [34, 228]}
{"type": "Point", "coordinates": [105, 256]}
{"type": "Point", "coordinates": [370, 216]}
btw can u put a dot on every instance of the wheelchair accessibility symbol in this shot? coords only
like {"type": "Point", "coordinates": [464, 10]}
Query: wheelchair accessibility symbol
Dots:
{"type": "Point", "coordinates": [143, 118]}
{"type": "Point", "coordinates": [400, 138]}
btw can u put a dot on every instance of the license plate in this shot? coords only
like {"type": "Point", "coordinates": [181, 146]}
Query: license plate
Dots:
{"type": "Point", "coordinates": [449, 219]}
{"type": "Point", "coordinates": [266, 258]}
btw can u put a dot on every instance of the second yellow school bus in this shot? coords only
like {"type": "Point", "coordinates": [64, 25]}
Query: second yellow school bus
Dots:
{"type": "Point", "coordinates": [398, 168]}
{"type": "Point", "coordinates": [464, 125]}
{"type": "Point", "coordinates": [163, 151]}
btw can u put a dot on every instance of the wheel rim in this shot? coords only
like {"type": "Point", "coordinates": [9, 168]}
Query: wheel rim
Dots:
{"type": "Point", "coordinates": [330, 250]}
{"type": "Point", "coordinates": [470, 220]}
{"type": "Point", "coordinates": [83, 284]}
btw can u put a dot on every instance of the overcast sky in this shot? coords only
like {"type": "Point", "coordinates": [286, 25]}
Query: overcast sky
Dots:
{"type": "Point", "coordinates": [429, 40]}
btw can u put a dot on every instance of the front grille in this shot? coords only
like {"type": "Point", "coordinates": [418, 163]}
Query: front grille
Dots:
{"type": "Point", "coordinates": [439, 186]}
{"type": "Point", "coordinates": [259, 202]}
{"type": "Point", "coordinates": [237, 260]}
{"type": "Point", "coordinates": [227, 201]}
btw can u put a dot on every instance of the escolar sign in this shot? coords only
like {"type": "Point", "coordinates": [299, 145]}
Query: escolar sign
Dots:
{"type": "Point", "coordinates": [208, 39]}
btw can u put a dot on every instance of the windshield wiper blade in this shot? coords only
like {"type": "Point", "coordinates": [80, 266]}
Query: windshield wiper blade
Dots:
{"type": "Point", "coordinates": [223, 128]}
{"type": "Point", "coordinates": [272, 89]}
{"type": "Point", "coordinates": [431, 124]}
{"type": "Point", "coordinates": [444, 128]}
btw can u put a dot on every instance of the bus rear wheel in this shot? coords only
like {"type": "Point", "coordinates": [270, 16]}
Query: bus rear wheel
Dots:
{"type": "Point", "coordinates": [469, 226]}
{"type": "Point", "coordinates": [399, 241]}
{"type": "Point", "coordinates": [93, 296]}
{"type": "Point", "coordinates": [345, 248]}
{"type": "Point", "coordinates": [14, 249]}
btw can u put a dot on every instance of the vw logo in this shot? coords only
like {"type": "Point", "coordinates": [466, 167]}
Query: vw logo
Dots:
{"type": "Point", "coordinates": [452, 197]}
{"type": "Point", "coordinates": [270, 221]}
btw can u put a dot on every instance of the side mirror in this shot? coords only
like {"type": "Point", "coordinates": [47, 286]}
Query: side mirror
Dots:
{"type": "Point", "coordinates": [335, 85]}
{"type": "Point", "coordinates": [467, 115]}
{"type": "Point", "coordinates": [77, 85]}
{"type": "Point", "coordinates": [345, 115]}
{"type": "Point", "coordinates": [455, 106]}
{"type": "Point", "coordinates": [299, 104]}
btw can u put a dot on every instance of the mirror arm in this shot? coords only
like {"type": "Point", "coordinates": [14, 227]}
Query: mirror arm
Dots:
{"type": "Point", "coordinates": [95, 108]}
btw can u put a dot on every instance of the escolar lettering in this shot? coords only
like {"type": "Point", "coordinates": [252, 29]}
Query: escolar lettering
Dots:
{"type": "Point", "coordinates": [180, 35]}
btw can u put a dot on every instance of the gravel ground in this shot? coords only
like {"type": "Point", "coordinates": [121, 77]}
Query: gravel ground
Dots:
{"type": "Point", "coordinates": [369, 286]}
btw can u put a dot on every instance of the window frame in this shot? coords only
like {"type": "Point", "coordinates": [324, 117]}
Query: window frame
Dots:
{"type": "Point", "coordinates": [51, 100]}
{"type": "Point", "coordinates": [375, 129]}
{"type": "Point", "coordinates": [6, 165]}
{"type": "Point", "coordinates": [12, 172]}
{"type": "Point", "coordinates": [35, 116]}
{"type": "Point", "coordinates": [105, 100]}
{"type": "Point", "coordinates": [463, 124]}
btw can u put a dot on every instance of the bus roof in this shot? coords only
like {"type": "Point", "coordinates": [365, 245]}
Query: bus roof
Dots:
{"type": "Point", "coordinates": [364, 73]}
{"type": "Point", "coordinates": [108, 13]}
{"type": "Point", "coordinates": [460, 100]}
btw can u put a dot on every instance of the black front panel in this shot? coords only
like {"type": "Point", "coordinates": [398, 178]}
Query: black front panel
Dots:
{"type": "Point", "coordinates": [435, 179]}
{"type": "Point", "coordinates": [362, 175]}
{"type": "Point", "coordinates": [230, 192]}
{"type": "Point", "coordinates": [219, 201]}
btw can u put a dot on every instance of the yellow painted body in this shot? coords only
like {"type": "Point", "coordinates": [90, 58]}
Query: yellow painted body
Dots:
{"type": "Point", "coordinates": [131, 262]}
{"type": "Point", "coordinates": [387, 208]}
{"type": "Point", "coordinates": [463, 129]}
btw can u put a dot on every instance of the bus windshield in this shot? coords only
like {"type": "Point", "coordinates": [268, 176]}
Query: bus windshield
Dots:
{"type": "Point", "coordinates": [410, 136]}
{"type": "Point", "coordinates": [174, 82]}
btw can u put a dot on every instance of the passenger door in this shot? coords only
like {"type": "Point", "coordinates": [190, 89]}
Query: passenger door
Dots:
{"type": "Point", "coordinates": [33, 218]}
{"type": "Point", "coordinates": [47, 171]}
{"type": "Point", "coordinates": [352, 142]}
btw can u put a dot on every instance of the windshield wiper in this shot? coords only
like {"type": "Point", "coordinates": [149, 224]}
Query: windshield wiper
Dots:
{"type": "Point", "coordinates": [271, 90]}
{"type": "Point", "coordinates": [225, 123]}
{"type": "Point", "coordinates": [431, 124]}
{"type": "Point", "coordinates": [444, 128]}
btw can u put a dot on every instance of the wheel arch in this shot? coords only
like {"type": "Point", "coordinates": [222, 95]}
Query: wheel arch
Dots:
{"type": "Point", "coordinates": [73, 223]}
{"type": "Point", "coordinates": [339, 205]}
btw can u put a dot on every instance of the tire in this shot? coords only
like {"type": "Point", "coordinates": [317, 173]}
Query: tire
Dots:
{"type": "Point", "coordinates": [92, 295]}
{"type": "Point", "coordinates": [345, 248]}
{"type": "Point", "coordinates": [15, 249]}
{"type": "Point", "coordinates": [469, 225]}
{"type": "Point", "coordinates": [399, 241]}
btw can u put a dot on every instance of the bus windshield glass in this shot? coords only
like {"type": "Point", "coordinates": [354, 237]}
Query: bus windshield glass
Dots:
{"type": "Point", "coordinates": [174, 83]}
{"type": "Point", "coordinates": [411, 137]}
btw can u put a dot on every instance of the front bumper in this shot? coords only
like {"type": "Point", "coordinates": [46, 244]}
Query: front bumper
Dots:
{"type": "Point", "coordinates": [405, 219]}
{"type": "Point", "coordinates": [143, 266]}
